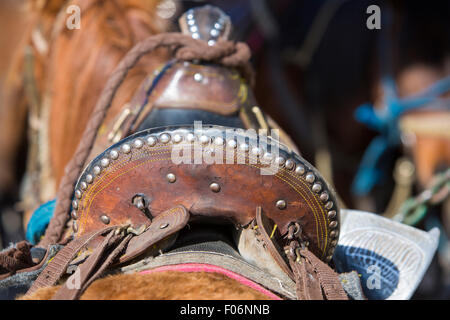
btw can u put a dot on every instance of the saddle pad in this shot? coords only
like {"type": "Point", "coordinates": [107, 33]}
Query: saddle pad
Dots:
{"type": "Point", "coordinates": [282, 287]}
{"type": "Point", "coordinates": [201, 267]}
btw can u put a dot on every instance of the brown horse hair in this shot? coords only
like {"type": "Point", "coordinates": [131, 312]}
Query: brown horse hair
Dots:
{"type": "Point", "coordinates": [71, 73]}
{"type": "Point", "coordinates": [165, 285]}
{"type": "Point", "coordinates": [82, 60]}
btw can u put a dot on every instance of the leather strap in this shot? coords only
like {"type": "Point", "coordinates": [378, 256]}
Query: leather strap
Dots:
{"type": "Point", "coordinates": [329, 279]}
{"type": "Point", "coordinates": [104, 255]}
{"type": "Point", "coordinates": [308, 286]}
{"type": "Point", "coordinates": [265, 226]}
{"type": "Point", "coordinates": [163, 225]}
{"type": "Point", "coordinates": [93, 267]}
{"type": "Point", "coordinates": [58, 265]}
{"type": "Point", "coordinates": [310, 273]}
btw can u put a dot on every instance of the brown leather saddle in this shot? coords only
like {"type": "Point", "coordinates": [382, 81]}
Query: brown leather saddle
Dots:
{"type": "Point", "coordinates": [210, 157]}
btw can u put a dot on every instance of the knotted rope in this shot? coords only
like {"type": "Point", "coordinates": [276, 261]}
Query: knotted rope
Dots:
{"type": "Point", "coordinates": [185, 48]}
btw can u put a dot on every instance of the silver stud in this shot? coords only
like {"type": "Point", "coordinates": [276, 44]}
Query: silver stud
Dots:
{"type": "Point", "coordinates": [331, 214]}
{"type": "Point", "coordinates": [232, 143]}
{"type": "Point", "coordinates": [138, 143]}
{"type": "Point", "coordinates": [78, 194]}
{"type": "Point", "coordinates": [171, 178]}
{"type": "Point", "coordinates": [164, 138]}
{"type": "Point", "coordinates": [204, 139]}
{"type": "Point", "coordinates": [105, 219]}
{"type": "Point", "coordinates": [190, 137]}
{"type": "Point", "coordinates": [139, 202]}
{"type": "Point", "coordinates": [211, 42]}
{"type": "Point", "coordinates": [324, 196]}
{"type": "Point", "coordinates": [316, 187]}
{"type": "Point", "coordinates": [177, 138]}
{"type": "Point", "coordinates": [267, 156]}
{"type": "Point", "coordinates": [214, 33]}
{"type": "Point", "coordinates": [97, 170]}
{"type": "Point", "coordinates": [74, 215]}
{"type": "Point", "coordinates": [243, 147]}
{"type": "Point", "coordinates": [104, 162]}
{"type": "Point", "coordinates": [310, 178]}
{"type": "Point", "coordinates": [75, 226]}
{"type": "Point", "coordinates": [215, 187]}
{"type": "Point", "coordinates": [114, 154]}
{"type": "Point", "coordinates": [281, 204]}
{"type": "Point", "coordinates": [218, 141]}
{"type": "Point", "coordinates": [83, 185]}
{"type": "Point", "coordinates": [195, 36]}
{"type": "Point", "coordinates": [89, 178]}
{"type": "Point", "coordinates": [329, 205]}
{"type": "Point", "coordinates": [151, 141]}
{"type": "Point", "coordinates": [163, 226]}
{"type": "Point", "coordinates": [289, 164]}
{"type": "Point", "coordinates": [126, 148]}
{"type": "Point", "coordinates": [257, 151]}
{"type": "Point", "coordinates": [300, 170]}
{"type": "Point", "coordinates": [334, 233]}
{"type": "Point", "coordinates": [333, 224]}
{"type": "Point", "coordinates": [198, 77]}
{"type": "Point", "coordinates": [280, 161]}
{"type": "Point", "coordinates": [75, 204]}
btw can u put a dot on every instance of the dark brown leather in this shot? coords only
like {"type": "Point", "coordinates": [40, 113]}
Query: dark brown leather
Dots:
{"type": "Point", "coordinates": [265, 228]}
{"type": "Point", "coordinates": [164, 225]}
{"type": "Point", "coordinates": [144, 171]}
{"type": "Point", "coordinates": [328, 278]}
{"type": "Point", "coordinates": [221, 91]}
{"type": "Point", "coordinates": [58, 265]}
{"type": "Point", "coordinates": [89, 270]}
{"type": "Point", "coordinates": [66, 291]}
{"type": "Point", "coordinates": [308, 286]}
{"type": "Point", "coordinates": [218, 89]}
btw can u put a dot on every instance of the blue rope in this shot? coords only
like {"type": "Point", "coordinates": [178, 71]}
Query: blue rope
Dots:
{"type": "Point", "coordinates": [385, 121]}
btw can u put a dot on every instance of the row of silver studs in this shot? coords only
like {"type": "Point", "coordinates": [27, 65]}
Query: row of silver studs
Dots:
{"type": "Point", "coordinates": [194, 29]}
{"type": "Point", "coordinates": [190, 19]}
{"type": "Point", "coordinates": [204, 139]}
{"type": "Point", "coordinates": [215, 32]}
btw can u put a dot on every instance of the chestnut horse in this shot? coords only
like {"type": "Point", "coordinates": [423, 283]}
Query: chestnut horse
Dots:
{"type": "Point", "coordinates": [65, 71]}
{"type": "Point", "coordinates": [70, 68]}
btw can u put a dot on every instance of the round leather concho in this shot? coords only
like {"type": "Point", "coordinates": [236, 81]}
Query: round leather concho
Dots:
{"type": "Point", "coordinates": [213, 171]}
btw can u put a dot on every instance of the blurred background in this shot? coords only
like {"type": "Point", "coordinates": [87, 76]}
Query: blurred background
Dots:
{"type": "Point", "coordinates": [363, 92]}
